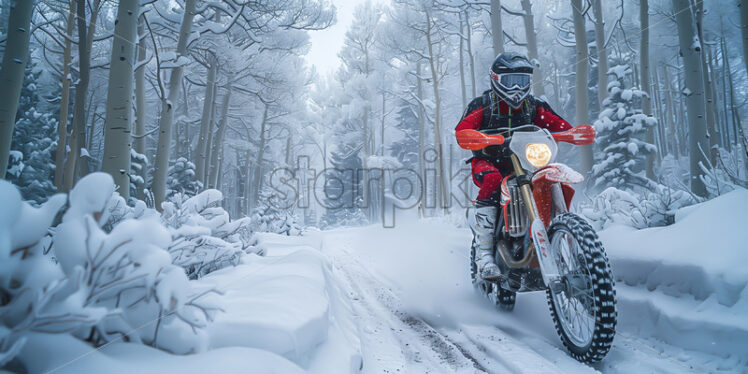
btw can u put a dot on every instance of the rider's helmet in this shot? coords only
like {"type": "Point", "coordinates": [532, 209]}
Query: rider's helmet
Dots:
{"type": "Point", "coordinates": [511, 75]}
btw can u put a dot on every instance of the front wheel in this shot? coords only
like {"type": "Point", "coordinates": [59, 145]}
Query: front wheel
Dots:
{"type": "Point", "coordinates": [583, 300]}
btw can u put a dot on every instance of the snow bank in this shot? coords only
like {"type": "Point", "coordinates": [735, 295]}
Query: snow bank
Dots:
{"type": "Point", "coordinates": [65, 354]}
{"type": "Point", "coordinates": [287, 303]}
{"type": "Point", "coordinates": [686, 283]}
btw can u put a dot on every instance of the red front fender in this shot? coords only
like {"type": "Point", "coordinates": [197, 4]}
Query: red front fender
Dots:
{"type": "Point", "coordinates": [542, 181]}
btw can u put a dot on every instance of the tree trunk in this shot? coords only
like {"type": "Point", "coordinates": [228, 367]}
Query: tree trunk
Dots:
{"type": "Point", "coordinates": [168, 104]}
{"type": "Point", "coordinates": [695, 102]}
{"type": "Point", "coordinates": [532, 48]}
{"type": "Point", "coordinates": [140, 109]}
{"type": "Point", "coordinates": [602, 53]}
{"type": "Point", "coordinates": [211, 133]}
{"type": "Point", "coordinates": [218, 141]}
{"type": "Point", "coordinates": [78, 135]}
{"type": "Point", "coordinates": [4, 13]}
{"type": "Point", "coordinates": [671, 120]}
{"type": "Point", "coordinates": [381, 128]}
{"type": "Point", "coordinates": [711, 128]}
{"type": "Point", "coordinates": [644, 67]}
{"type": "Point", "coordinates": [437, 112]}
{"type": "Point", "coordinates": [11, 74]}
{"type": "Point", "coordinates": [497, 32]}
{"type": "Point", "coordinates": [208, 102]}
{"type": "Point", "coordinates": [421, 134]}
{"type": "Point", "coordinates": [716, 138]}
{"type": "Point", "coordinates": [744, 28]}
{"type": "Point", "coordinates": [257, 178]}
{"type": "Point", "coordinates": [463, 90]}
{"type": "Point", "coordinates": [118, 122]}
{"type": "Point", "coordinates": [471, 58]}
{"type": "Point", "coordinates": [581, 63]}
{"type": "Point", "coordinates": [737, 126]}
{"type": "Point", "coordinates": [62, 125]}
{"type": "Point", "coordinates": [725, 95]}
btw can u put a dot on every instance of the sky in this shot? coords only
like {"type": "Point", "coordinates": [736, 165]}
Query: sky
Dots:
{"type": "Point", "coordinates": [327, 43]}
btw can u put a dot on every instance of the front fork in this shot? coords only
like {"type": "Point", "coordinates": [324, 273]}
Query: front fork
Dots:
{"type": "Point", "coordinates": [540, 239]}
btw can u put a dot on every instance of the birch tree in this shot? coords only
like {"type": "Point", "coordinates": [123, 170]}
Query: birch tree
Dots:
{"type": "Point", "coordinates": [12, 70]}
{"type": "Point", "coordinates": [119, 113]}
{"type": "Point", "coordinates": [690, 49]}
{"type": "Point", "coordinates": [581, 63]}
{"type": "Point", "coordinates": [645, 85]}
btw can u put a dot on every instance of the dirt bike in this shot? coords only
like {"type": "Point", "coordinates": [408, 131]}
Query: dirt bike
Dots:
{"type": "Point", "coordinates": [540, 245]}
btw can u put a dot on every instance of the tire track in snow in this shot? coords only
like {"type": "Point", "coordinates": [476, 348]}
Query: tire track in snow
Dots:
{"type": "Point", "coordinates": [460, 353]}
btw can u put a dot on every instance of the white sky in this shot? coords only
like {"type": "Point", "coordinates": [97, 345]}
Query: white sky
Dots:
{"type": "Point", "coordinates": [327, 43]}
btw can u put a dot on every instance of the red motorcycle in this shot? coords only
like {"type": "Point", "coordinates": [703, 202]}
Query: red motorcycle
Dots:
{"type": "Point", "coordinates": [541, 246]}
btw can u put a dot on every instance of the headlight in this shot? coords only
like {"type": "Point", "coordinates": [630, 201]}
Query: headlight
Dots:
{"type": "Point", "coordinates": [539, 154]}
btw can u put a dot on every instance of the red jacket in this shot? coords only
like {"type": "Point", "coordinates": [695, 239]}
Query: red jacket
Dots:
{"type": "Point", "coordinates": [544, 117]}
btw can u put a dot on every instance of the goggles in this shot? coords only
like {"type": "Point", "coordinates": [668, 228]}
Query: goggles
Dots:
{"type": "Point", "coordinates": [512, 81]}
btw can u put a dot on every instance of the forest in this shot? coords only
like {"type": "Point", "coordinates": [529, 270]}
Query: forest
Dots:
{"type": "Point", "coordinates": [194, 126]}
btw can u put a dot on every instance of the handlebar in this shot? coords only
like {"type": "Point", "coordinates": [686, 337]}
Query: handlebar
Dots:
{"type": "Point", "coordinates": [476, 140]}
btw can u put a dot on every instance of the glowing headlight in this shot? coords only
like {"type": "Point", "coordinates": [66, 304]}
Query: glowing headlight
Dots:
{"type": "Point", "coordinates": [539, 154]}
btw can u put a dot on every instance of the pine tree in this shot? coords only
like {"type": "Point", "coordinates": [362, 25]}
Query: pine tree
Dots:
{"type": "Point", "coordinates": [343, 189]}
{"type": "Point", "coordinates": [406, 149]}
{"type": "Point", "coordinates": [182, 178]}
{"type": "Point", "coordinates": [269, 216]}
{"type": "Point", "coordinates": [32, 163]}
{"type": "Point", "coordinates": [621, 126]}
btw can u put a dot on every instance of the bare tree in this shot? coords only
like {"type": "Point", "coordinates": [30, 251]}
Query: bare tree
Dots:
{"type": "Point", "coordinates": [690, 49]}
{"type": "Point", "coordinates": [62, 125]}
{"type": "Point", "coordinates": [602, 53]}
{"type": "Point", "coordinates": [581, 63]}
{"type": "Point", "coordinates": [532, 47]}
{"type": "Point", "coordinates": [497, 31]}
{"type": "Point", "coordinates": [168, 105]}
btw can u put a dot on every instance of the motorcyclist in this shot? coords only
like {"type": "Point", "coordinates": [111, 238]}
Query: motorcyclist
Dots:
{"type": "Point", "coordinates": [508, 103]}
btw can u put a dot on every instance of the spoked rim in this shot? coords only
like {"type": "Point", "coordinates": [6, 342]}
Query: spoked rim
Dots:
{"type": "Point", "coordinates": [574, 299]}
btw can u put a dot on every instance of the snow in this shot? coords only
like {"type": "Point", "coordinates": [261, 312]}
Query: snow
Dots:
{"type": "Point", "coordinates": [682, 282]}
{"type": "Point", "coordinates": [64, 354]}
{"type": "Point", "coordinates": [374, 299]}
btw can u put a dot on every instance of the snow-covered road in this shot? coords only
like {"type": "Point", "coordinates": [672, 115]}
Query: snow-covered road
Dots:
{"type": "Point", "coordinates": [417, 312]}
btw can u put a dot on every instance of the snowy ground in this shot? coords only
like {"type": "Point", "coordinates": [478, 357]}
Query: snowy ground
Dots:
{"type": "Point", "coordinates": [400, 301]}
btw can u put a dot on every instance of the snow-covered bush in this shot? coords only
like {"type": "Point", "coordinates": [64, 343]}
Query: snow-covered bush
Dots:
{"type": "Point", "coordinates": [204, 236]}
{"type": "Point", "coordinates": [727, 173]}
{"type": "Point", "coordinates": [95, 285]}
{"type": "Point", "coordinates": [128, 273]}
{"type": "Point", "coordinates": [34, 295]}
{"type": "Point", "coordinates": [640, 210]}
{"type": "Point", "coordinates": [621, 126]}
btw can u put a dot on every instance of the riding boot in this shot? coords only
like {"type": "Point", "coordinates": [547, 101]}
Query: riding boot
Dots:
{"type": "Point", "coordinates": [485, 224]}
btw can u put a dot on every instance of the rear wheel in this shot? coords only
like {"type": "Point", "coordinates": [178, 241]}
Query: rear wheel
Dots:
{"type": "Point", "coordinates": [505, 299]}
{"type": "Point", "coordinates": [583, 301]}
